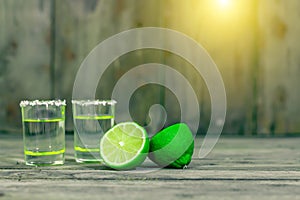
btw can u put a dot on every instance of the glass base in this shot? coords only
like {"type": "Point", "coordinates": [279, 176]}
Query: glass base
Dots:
{"type": "Point", "coordinates": [58, 159]}
{"type": "Point", "coordinates": [87, 157]}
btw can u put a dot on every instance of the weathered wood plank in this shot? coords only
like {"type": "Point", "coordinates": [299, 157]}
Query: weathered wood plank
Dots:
{"type": "Point", "coordinates": [162, 175]}
{"type": "Point", "coordinates": [149, 190]}
{"type": "Point", "coordinates": [81, 25]}
{"type": "Point", "coordinates": [226, 33]}
{"type": "Point", "coordinates": [229, 154]}
{"type": "Point", "coordinates": [24, 56]}
{"type": "Point", "coordinates": [279, 52]}
{"type": "Point", "coordinates": [262, 168]}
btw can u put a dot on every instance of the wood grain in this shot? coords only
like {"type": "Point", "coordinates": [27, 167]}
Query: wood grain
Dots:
{"type": "Point", "coordinates": [24, 56]}
{"type": "Point", "coordinates": [253, 43]}
{"type": "Point", "coordinates": [263, 168]}
{"type": "Point", "coordinates": [279, 56]}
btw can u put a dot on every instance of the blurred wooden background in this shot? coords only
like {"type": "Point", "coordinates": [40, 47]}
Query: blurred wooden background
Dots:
{"type": "Point", "coordinates": [255, 44]}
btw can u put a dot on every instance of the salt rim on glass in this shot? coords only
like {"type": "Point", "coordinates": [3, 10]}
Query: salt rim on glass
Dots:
{"type": "Point", "coordinates": [94, 102]}
{"type": "Point", "coordinates": [58, 102]}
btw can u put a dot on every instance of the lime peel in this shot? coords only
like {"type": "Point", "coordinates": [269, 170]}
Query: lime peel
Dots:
{"type": "Point", "coordinates": [125, 146]}
{"type": "Point", "coordinates": [172, 147]}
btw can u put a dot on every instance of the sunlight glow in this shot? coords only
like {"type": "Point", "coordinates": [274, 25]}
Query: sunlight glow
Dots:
{"type": "Point", "coordinates": [224, 3]}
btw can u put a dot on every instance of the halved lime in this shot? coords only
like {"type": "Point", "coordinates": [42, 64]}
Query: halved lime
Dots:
{"type": "Point", "coordinates": [125, 146]}
{"type": "Point", "coordinates": [172, 147]}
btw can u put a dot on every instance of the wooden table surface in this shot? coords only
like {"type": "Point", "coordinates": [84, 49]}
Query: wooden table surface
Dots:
{"type": "Point", "coordinates": [237, 168]}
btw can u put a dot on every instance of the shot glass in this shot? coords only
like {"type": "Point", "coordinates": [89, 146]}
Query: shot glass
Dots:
{"type": "Point", "coordinates": [92, 118]}
{"type": "Point", "coordinates": [43, 132]}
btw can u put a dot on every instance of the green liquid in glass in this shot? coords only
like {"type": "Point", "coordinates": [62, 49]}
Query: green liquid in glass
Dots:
{"type": "Point", "coordinates": [87, 135]}
{"type": "Point", "coordinates": [44, 141]}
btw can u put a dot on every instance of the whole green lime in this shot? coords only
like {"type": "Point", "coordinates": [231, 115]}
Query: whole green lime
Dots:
{"type": "Point", "coordinates": [172, 147]}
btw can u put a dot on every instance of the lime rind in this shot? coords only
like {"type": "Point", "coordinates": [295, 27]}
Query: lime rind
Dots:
{"type": "Point", "coordinates": [116, 163]}
{"type": "Point", "coordinates": [172, 147]}
{"type": "Point", "coordinates": [184, 160]}
{"type": "Point", "coordinates": [133, 150]}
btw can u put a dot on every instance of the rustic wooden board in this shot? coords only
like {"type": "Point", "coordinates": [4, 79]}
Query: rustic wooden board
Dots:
{"type": "Point", "coordinates": [279, 53]}
{"type": "Point", "coordinates": [24, 56]}
{"type": "Point", "coordinates": [80, 27]}
{"type": "Point", "coordinates": [226, 34]}
{"type": "Point", "coordinates": [263, 168]}
{"type": "Point", "coordinates": [254, 44]}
